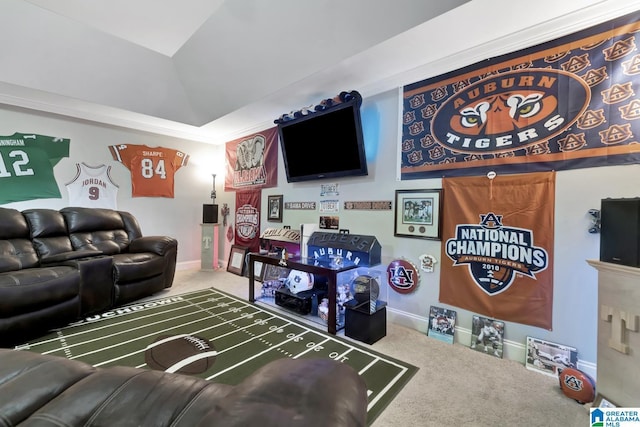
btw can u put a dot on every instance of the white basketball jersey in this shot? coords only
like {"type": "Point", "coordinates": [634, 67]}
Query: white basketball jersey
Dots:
{"type": "Point", "coordinates": [92, 187]}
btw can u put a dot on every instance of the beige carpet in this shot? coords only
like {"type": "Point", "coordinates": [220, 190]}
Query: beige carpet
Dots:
{"type": "Point", "coordinates": [455, 385]}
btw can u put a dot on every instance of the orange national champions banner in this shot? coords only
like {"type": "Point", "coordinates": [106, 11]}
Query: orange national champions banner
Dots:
{"type": "Point", "coordinates": [497, 252]}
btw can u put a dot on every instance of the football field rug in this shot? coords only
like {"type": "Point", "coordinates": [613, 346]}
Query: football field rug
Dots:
{"type": "Point", "coordinates": [213, 335]}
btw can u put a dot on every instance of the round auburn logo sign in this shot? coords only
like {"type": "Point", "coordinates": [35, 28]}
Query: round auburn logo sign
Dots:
{"type": "Point", "coordinates": [510, 111]}
{"type": "Point", "coordinates": [402, 276]}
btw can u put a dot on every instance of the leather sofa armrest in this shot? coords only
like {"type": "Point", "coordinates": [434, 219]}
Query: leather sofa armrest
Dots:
{"type": "Point", "coordinates": [71, 255]}
{"type": "Point", "coordinates": [310, 392]}
{"type": "Point", "coordinates": [96, 282]}
{"type": "Point", "coordinates": [160, 245]}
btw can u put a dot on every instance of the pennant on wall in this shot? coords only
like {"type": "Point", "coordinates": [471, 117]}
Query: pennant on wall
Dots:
{"type": "Point", "coordinates": [565, 104]}
{"type": "Point", "coordinates": [248, 219]}
{"type": "Point", "coordinates": [252, 161]}
{"type": "Point", "coordinates": [497, 252]}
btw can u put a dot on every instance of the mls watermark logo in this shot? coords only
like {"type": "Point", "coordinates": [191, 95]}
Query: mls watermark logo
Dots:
{"type": "Point", "coordinates": [615, 417]}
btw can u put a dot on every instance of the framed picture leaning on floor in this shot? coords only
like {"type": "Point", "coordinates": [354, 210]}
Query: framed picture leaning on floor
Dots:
{"type": "Point", "coordinates": [548, 357]}
{"type": "Point", "coordinates": [487, 336]}
{"type": "Point", "coordinates": [442, 324]}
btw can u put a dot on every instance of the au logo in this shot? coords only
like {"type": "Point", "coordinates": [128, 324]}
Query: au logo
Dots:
{"type": "Point", "coordinates": [494, 253]}
{"type": "Point", "coordinates": [573, 383]}
{"type": "Point", "coordinates": [402, 276]}
{"type": "Point", "coordinates": [510, 111]}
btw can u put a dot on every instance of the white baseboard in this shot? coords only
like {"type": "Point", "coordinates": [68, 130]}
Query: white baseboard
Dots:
{"type": "Point", "coordinates": [512, 350]}
{"type": "Point", "coordinates": [188, 265]}
{"type": "Point", "coordinates": [195, 265]}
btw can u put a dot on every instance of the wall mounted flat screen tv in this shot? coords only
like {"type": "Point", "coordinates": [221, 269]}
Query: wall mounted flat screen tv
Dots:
{"type": "Point", "coordinates": [324, 144]}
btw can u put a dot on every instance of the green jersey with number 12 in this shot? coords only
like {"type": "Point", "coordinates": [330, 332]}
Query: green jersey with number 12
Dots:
{"type": "Point", "coordinates": [26, 166]}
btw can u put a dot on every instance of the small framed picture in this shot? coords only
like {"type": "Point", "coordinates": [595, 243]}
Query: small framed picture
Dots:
{"type": "Point", "coordinates": [442, 324]}
{"type": "Point", "coordinates": [548, 357]}
{"type": "Point", "coordinates": [258, 271]}
{"type": "Point", "coordinates": [274, 272]}
{"type": "Point", "coordinates": [236, 261]}
{"type": "Point", "coordinates": [487, 335]}
{"type": "Point", "coordinates": [418, 214]}
{"type": "Point", "coordinates": [275, 208]}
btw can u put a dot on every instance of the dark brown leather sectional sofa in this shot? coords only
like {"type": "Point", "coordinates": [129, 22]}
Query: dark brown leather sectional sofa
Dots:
{"type": "Point", "coordinates": [57, 266]}
{"type": "Point", "coordinates": [54, 391]}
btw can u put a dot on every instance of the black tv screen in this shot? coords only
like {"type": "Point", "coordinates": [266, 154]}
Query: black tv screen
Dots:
{"type": "Point", "coordinates": [324, 144]}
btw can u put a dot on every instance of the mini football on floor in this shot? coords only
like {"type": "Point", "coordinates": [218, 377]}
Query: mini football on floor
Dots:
{"type": "Point", "coordinates": [577, 385]}
{"type": "Point", "coordinates": [185, 354]}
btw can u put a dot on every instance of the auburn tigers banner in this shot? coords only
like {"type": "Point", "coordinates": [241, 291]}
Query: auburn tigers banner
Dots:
{"type": "Point", "coordinates": [569, 103]}
{"type": "Point", "coordinates": [248, 219]}
{"type": "Point", "coordinates": [252, 161]}
{"type": "Point", "coordinates": [497, 256]}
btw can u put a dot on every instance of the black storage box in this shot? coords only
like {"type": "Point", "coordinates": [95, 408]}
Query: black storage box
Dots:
{"type": "Point", "coordinates": [620, 231]}
{"type": "Point", "coordinates": [363, 326]}
{"type": "Point", "coordinates": [304, 302]}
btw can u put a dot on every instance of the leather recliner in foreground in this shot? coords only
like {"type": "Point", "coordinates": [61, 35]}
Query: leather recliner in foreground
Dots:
{"type": "Point", "coordinates": [54, 391]}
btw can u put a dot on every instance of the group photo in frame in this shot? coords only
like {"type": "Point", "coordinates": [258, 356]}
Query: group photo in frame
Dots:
{"type": "Point", "coordinates": [274, 204]}
{"type": "Point", "coordinates": [417, 214]}
{"type": "Point", "coordinates": [236, 262]}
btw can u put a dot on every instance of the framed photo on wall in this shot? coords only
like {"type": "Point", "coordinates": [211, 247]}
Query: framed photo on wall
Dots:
{"type": "Point", "coordinates": [275, 208]}
{"type": "Point", "coordinates": [418, 214]}
{"type": "Point", "coordinates": [236, 261]}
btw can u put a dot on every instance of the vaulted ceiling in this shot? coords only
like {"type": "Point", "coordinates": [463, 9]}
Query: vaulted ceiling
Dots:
{"type": "Point", "coordinates": [209, 70]}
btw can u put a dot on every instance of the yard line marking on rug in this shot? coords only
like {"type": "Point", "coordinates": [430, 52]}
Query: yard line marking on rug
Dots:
{"type": "Point", "coordinates": [366, 368]}
{"type": "Point", "coordinates": [145, 325]}
{"type": "Point", "coordinates": [175, 300]}
{"type": "Point", "coordinates": [376, 359]}
{"type": "Point", "coordinates": [392, 383]}
{"type": "Point", "coordinates": [143, 336]}
{"type": "Point", "coordinates": [142, 350]}
{"type": "Point", "coordinates": [382, 392]}
{"type": "Point", "coordinates": [115, 334]}
{"type": "Point", "coordinates": [287, 323]}
{"type": "Point", "coordinates": [363, 350]}
{"type": "Point", "coordinates": [244, 361]}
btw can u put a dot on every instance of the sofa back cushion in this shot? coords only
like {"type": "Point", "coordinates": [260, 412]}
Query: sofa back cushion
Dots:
{"type": "Point", "coordinates": [16, 250]}
{"type": "Point", "coordinates": [48, 232]}
{"type": "Point", "coordinates": [96, 229]}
